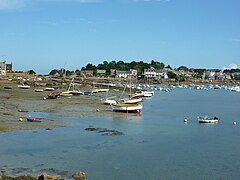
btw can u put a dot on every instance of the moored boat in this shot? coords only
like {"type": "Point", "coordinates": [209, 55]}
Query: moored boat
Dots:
{"type": "Point", "coordinates": [128, 108]}
{"type": "Point", "coordinates": [87, 92]}
{"type": "Point", "coordinates": [206, 119]}
{"type": "Point", "coordinates": [23, 86]}
{"type": "Point", "coordinates": [49, 89]}
{"type": "Point", "coordinates": [132, 100]}
{"type": "Point", "coordinates": [38, 90]}
{"type": "Point", "coordinates": [143, 94]}
{"type": "Point", "coordinates": [34, 119]}
{"type": "Point", "coordinates": [110, 100]}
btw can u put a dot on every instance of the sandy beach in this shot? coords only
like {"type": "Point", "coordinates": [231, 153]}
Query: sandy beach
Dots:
{"type": "Point", "coordinates": [16, 103]}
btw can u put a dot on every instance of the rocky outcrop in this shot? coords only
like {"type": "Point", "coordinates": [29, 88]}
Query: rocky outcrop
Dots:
{"type": "Point", "coordinates": [79, 176]}
{"type": "Point", "coordinates": [44, 176]}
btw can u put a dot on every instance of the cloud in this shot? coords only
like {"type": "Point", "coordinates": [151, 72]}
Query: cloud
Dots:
{"type": "Point", "coordinates": [17, 4]}
{"type": "Point", "coordinates": [233, 66]}
{"type": "Point", "coordinates": [12, 4]}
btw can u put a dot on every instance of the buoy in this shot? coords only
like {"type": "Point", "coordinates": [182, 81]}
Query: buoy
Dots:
{"type": "Point", "coordinates": [44, 98]}
{"type": "Point", "coordinates": [234, 122]}
{"type": "Point", "coordinates": [20, 119]}
{"type": "Point", "coordinates": [185, 120]}
{"type": "Point", "coordinates": [97, 110]}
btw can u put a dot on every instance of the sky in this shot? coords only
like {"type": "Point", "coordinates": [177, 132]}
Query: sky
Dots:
{"type": "Point", "coordinates": [50, 34]}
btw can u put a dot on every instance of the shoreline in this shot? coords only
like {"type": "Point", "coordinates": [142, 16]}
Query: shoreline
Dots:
{"type": "Point", "coordinates": [18, 103]}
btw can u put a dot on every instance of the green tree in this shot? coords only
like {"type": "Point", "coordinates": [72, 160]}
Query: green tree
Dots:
{"type": "Point", "coordinates": [31, 72]}
{"type": "Point", "coordinates": [54, 71]}
{"type": "Point", "coordinates": [184, 68]}
{"type": "Point", "coordinates": [157, 65]}
{"type": "Point", "coordinates": [172, 75]}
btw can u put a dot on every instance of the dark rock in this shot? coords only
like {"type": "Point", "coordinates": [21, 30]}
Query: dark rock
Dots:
{"type": "Point", "coordinates": [47, 177]}
{"type": "Point", "coordinates": [91, 129]}
{"type": "Point", "coordinates": [18, 178]}
{"type": "Point", "coordinates": [79, 176]}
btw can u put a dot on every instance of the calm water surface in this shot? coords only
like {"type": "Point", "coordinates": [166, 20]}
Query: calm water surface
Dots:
{"type": "Point", "coordinates": [155, 145]}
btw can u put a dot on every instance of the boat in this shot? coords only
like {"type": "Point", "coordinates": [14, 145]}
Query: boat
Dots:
{"type": "Point", "coordinates": [65, 94]}
{"type": "Point", "coordinates": [53, 95]}
{"type": "Point", "coordinates": [23, 86]}
{"type": "Point", "coordinates": [206, 119]}
{"type": "Point", "coordinates": [49, 89]}
{"type": "Point", "coordinates": [73, 91]}
{"type": "Point", "coordinates": [143, 94]}
{"type": "Point", "coordinates": [131, 100]}
{"type": "Point", "coordinates": [103, 90]}
{"type": "Point", "coordinates": [87, 92]}
{"type": "Point", "coordinates": [95, 90]}
{"type": "Point", "coordinates": [128, 108]}
{"type": "Point", "coordinates": [38, 90]}
{"type": "Point", "coordinates": [110, 100]}
{"type": "Point", "coordinates": [7, 87]}
{"type": "Point", "coordinates": [34, 119]}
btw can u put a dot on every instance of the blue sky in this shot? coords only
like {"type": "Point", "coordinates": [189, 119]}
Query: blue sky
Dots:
{"type": "Point", "coordinates": [49, 34]}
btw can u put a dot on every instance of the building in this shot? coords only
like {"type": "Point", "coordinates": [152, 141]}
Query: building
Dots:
{"type": "Point", "coordinates": [9, 67]}
{"type": "Point", "coordinates": [133, 72]}
{"type": "Point", "coordinates": [123, 74]}
{"type": "Point", "coordinates": [101, 71]}
{"type": "Point", "coordinates": [87, 72]}
{"type": "Point", "coordinates": [155, 73]}
{"type": "Point", "coordinates": [3, 68]}
{"type": "Point", "coordinates": [213, 74]}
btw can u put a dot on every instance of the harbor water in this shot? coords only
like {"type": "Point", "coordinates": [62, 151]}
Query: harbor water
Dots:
{"type": "Point", "coordinates": [158, 144]}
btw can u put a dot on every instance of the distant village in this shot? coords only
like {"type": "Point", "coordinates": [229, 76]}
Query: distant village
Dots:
{"type": "Point", "coordinates": [155, 71]}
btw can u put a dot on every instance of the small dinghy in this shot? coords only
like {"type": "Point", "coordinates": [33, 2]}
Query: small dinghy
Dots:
{"type": "Point", "coordinates": [34, 119]}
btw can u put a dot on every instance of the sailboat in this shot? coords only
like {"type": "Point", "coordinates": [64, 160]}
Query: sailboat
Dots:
{"type": "Point", "coordinates": [72, 92]}
{"type": "Point", "coordinates": [128, 105]}
{"type": "Point", "coordinates": [128, 108]}
{"type": "Point", "coordinates": [130, 99]}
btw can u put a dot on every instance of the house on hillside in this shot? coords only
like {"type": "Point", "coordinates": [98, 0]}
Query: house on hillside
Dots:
{"type": "Point", "coordinates": [123, 74]}
{"type": "Point", "coordinates": [155, 73]}
{"type": "Point", "coordinates": [214, 74]}
{"type": "Point", "coordinates": [101, 72]}
{"type": "Point", "coordinates": [87, 72]}
{"type": "Point", "coordinates": [126, 74]}
{"type": "Point", "coordinates": [3, 68]}
{"type": "Point", "coordinates": [9, 67]}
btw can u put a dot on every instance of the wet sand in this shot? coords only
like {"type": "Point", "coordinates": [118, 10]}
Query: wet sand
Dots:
{"type": "Point", "coordinates": [16, 103]}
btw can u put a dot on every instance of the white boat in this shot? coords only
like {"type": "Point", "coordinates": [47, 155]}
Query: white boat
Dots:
{"type": "Point", "coordinates": [143, 94]}
{"type": "Point", "coordinates": [110, 101]}
{"type": "Point", "coordinates": [49, 89]}
{"type": "Point", "coordinates": [24, 86]}
{"type": "Point", "coordinates": [206, 119]}
{"type": "Point", "coordinates": [128, 108]}
{"type": "Point", "coordinates": [38, 90]}
{"type": "Point", "coordinates": [103, 90]}
{"type": "Point", "coordinates": [131, 100]}
{"type": "Point", "coordinates": [73, 91]}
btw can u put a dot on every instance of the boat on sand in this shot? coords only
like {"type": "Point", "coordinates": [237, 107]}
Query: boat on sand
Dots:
{"type": "Point", "coordinates": [34, 119]}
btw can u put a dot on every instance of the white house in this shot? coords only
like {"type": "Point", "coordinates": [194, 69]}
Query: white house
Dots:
{"type": "Point", "coordinates": [155, 73]}
{"type": "Point", "coordinates": [3, 69]}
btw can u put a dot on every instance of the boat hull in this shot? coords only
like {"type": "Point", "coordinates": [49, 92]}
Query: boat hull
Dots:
{"type": "Point", "coordinates": [34, 119]}
{"type": "Point", "coordinates": [207, 121]}
{"type": "Point", "coordinates": [131, 100]}
{"type": "Point", "coordinates": [127, 108]}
